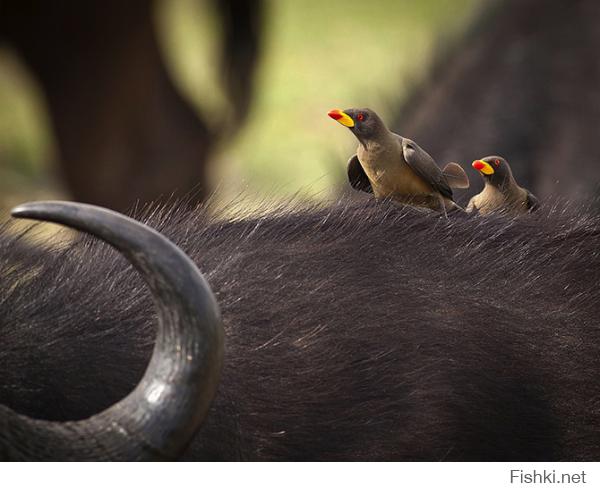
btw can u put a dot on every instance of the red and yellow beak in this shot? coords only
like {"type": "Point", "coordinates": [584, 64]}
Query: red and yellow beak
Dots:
{"type": "Point", "coordinates": [483, 167]}
{"type": "Point", "coordinates": [341, 117]}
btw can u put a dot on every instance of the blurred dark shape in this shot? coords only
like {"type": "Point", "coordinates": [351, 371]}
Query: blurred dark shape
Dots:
{"type": "Point", "coordinates": [523, 83]}
{"type": "Point", "coordinates": [242, 26]}
{"type": "Point", "coordinates": [124, 133]}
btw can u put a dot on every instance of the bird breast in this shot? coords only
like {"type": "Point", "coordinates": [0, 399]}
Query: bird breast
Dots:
{"type": "Point", "coordinates": [389, 174]}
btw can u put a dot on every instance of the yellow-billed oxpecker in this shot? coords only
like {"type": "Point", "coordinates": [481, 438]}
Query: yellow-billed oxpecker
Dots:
{"type": "Point", "coordinates": [501, 192]}
{"type": "Point", "coordinates": [388, 165]}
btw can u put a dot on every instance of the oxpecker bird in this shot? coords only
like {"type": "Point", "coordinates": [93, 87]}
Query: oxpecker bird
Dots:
{"type": "Point", "coordinates": [390, 166]}
{"type": "Point", "coordinates": [501, 192]}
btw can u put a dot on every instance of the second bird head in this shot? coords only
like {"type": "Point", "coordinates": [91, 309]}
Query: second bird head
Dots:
{"type": "Point", "coordinates": [364, 123]}
{"type": "Point", "coordinates": [493, 169]}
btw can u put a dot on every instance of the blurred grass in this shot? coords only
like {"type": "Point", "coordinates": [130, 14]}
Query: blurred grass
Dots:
{"type": "Point", "coordinates": [26, 147]}
{"type": "Point", "coordinates": [317, 55]}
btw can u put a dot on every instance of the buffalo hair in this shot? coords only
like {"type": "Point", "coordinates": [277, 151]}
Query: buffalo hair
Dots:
{"type": "Point", "coordinates": [355, 331]}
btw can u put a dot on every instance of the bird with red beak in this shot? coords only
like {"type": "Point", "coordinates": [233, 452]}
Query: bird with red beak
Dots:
{"type": "Point", "coordinates": [501, 193]}
{"type": "Point", "coordinates": [391, 166]}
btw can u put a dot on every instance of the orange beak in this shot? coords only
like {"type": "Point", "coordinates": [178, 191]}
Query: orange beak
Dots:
{"type": "Point", "coordinates": [483, 167]}
{"type": "Point", "coordinates": [341, 117]}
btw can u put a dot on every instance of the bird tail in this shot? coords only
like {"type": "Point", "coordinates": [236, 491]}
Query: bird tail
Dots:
{"type": "Point", "coordinates": [455, 175]}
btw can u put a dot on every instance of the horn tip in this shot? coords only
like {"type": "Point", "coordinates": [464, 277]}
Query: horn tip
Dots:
{"type": "Point", "coordinates": [36, 210]}
{"type": "Point", "coordinates": [24, 210]}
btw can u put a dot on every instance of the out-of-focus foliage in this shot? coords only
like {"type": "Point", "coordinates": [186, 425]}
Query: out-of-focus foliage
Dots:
{"type": "Point", "coordinates": [317, 55]}
{"type": "Point", "coordinates": [25, 137]}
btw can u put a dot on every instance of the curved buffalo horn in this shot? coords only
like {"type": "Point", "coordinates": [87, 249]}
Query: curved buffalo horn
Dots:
{"type": "Point", "coordinates": [160, 416]}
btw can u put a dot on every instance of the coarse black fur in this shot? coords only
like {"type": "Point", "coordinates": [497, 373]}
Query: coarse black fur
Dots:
{"type": "Point", "coordinates": [354, 332]}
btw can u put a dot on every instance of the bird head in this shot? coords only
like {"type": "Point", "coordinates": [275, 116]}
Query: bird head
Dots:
{"type": "Point", "coordinates": [494, 169]}
{"type": "Point", "coordinates": [364, 123]}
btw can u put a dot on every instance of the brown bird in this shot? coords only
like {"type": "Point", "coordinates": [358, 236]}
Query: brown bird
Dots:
{"type": "Point", "coordinates": [389, 165]}
{"type": "Point", "coordinates": [501, 192]}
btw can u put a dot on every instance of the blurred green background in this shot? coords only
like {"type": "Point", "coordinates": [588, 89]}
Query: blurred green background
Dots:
{"type": "Point", "coordinates": [316, 55]}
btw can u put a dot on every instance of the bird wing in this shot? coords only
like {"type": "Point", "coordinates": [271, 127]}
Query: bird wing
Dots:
{"type": "Point", "coordinates": [532, 202]}
{"type": "Point", "coordinates": [455, 175]}
{"type": "Point", "coordinates": [357, 176]}
{"type": "Point", "coordinates": [423, 165]}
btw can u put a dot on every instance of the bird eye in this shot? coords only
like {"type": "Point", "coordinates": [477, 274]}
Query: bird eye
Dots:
{"type": "Point", "coordinates": [360, 116]}
{"type": "Point", "coordinates": [497, 162]}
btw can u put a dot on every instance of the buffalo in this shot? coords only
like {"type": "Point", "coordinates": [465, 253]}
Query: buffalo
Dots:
{"type": "Point", "coordinates": [353, 331]}
{"type": "Point", "coordinates": [158, 418]}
